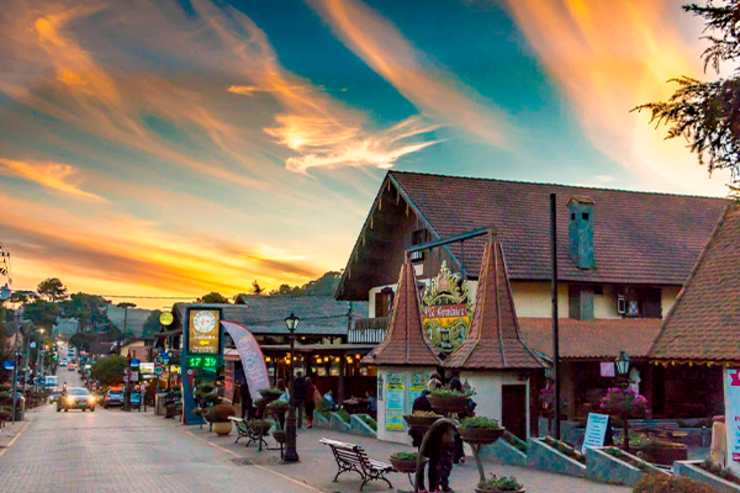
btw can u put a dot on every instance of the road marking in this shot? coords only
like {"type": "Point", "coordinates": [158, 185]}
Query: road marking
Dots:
{"type": "Point", "coordinates": [2, 452]}
{"type": "Point", "coordinates": [263, 468]}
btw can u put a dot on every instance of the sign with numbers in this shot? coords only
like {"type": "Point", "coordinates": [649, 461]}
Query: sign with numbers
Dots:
{"type": "Point", "coordinates": [202, 362]}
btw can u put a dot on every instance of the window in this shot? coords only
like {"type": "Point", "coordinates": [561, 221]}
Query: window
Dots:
{"type": "Point", "coordinates": [383, 302]}
{"type": "Point", "coordinates": [417, 238]}
{"type": "Point", "coordinates": [639, 302]}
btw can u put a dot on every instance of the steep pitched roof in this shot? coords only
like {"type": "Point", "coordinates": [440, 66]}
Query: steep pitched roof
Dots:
{"type": "Point", "coordinates": [639, 238]}
{"type": "Point", "coordinates": [493, 342]}
{"type": "Point", "coordinates": [704, 323]}
{"type": "Point", "coordinates": [404, 342]}
{"type": "Point", "coordinates": [592, 339]}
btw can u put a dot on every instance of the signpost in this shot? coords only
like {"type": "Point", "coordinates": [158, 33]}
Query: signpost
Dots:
{"type": "Point", "coordinates": [9, 365]}
{"type": "Point", "coordinates": [595, 431]}
{"type": "Point", "coordinates": [202, 353]}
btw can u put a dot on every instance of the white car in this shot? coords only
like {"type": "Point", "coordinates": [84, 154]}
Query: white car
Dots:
{"type": "Point", "coordinates": [64, 362]}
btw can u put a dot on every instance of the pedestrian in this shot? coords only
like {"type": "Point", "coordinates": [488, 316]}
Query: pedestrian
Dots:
{"type": "Point", "coordinates": [246, 398]}
{"type": "Point", "coordinates": [299, 397]}
{"type": "Point", "coordinates": [285, 397]}
{"type": "Point", "coordinates": [439, 449]}
{"type": "Point", "coordinates": [458, 456]}
{"type": "Point", "coordinates": [329, 398]}
{"type": "Point", "coordinates": [310, 401]}
{"type": "Point", "coordinates": [421, 403]}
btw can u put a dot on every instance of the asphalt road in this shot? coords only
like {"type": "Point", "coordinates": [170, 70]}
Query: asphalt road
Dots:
{"type": "Point", "coordinates": [110, 450]}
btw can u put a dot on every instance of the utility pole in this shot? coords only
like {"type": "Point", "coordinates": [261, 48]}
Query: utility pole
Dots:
{"type": "Point", "coordinates": [555, 328]}
{"type": "Point", "coordinates": [15, 363]}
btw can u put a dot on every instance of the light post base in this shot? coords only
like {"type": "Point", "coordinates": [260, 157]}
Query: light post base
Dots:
{"type": "Point", "coordinates": [291, 454]}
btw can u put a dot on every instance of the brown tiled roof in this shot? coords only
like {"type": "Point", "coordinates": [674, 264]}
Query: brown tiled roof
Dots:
{"type": "Point", "coordinates": [404, 342]}
{"type": "Point", "coordinates": [704, 323]}
{"type": "Point", "coordinates": [650, 238]}
{"type": "Point", "coordinates": [493, 342]}
{"type": "Point", "coordinates": [589, 339]}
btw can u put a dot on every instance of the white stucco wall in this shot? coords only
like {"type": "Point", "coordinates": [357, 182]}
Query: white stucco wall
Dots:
{"type": "Point", "coordinates": [532, 299]}
{"type": "Point", "coordinates": [400, 436]}
{"type": "Point", "coordinates": [488, 391]}
{"type": "Point", "coordinates": [668, 298]}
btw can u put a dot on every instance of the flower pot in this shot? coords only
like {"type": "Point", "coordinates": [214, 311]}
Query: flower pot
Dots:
{"type": "Point", "coordinates": [478, 490]}
{"type": "Point", "coordinates": [222, 429]}
{"type": "Point", "coordinates": [260, 429]}
{"type": "Point", "coordinates": [421, 423]}
{"type": "Point", "coordinates": [269, 396]}
{"type": "Point", "coordinates": [448, 405]}
{"type": "Point", "coordinates": [407, 466]}
{"type": "Point", "coordinates": [480, 435]}
{"type": "Point", "coordinates": [280, 436]}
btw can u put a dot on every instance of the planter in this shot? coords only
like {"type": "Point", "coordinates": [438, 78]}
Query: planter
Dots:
{"type": "Point", "coordinates": [663, 455]}
{"type": "Point", "coordinates": [480, 436]}
{"type": "Point", "coordinates": [542, 456]}
{"type": "Point", "coordinates": [421, 423]}
{"type": "Point", "coordinates": [690, 469]}
{"type": "Point", "coordinates": [268, 396]}
{"type": "Point", "coordinates": [261, 429]}
{"type": "Point", "coordinates": [504, 452]}
{"type": "Point", "coordinates": [280, 436]}
{"type": "Point", "coordinates": [277, 410]}
{"type": "Point", "coordinates": [360, 427]}
{"type": "Point", "coordinates": [606, 468]}
{"type": "Point", "coordinates": [449, 405]}
{"type": "Point", "coordinates": [338, 424]}
{"type": "Point", "coordinates": [478, 490]}
{"type": "Point", "coordinates": [222, 428]}
{"type": "Point", "coordinates": [407, 466]}
{"type": "Point", "coordinates": [321, 421]}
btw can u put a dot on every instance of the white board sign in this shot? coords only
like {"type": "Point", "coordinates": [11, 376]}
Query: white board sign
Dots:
{"type": "Point", "coordinates": [732, 418]}
{"type": "Point", "coordinates": [595, 431]}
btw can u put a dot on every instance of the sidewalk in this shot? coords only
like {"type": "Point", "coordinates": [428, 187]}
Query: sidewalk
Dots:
{"type": "Point", "coordinates": [317, 467]}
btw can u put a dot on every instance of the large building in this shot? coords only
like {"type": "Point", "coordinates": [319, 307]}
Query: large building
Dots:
{"type": "Point", "coordinates": [623, 257]}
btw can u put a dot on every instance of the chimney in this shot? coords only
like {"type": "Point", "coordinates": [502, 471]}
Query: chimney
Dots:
{"type": "Point", "coordinates": [581, 231]}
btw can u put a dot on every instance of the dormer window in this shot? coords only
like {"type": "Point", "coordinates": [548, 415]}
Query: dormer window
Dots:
{"type": "Point", "coordinates": [581, 232]}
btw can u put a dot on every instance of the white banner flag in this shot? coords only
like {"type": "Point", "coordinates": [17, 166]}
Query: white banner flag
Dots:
{"type": "Point", "coordinates": [255, 369]}
{"type": "Point", "coordinates": [732, 418]}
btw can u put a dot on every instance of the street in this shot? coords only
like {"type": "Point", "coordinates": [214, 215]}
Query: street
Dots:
{"type": "Point", "coordinates": [110, 450]}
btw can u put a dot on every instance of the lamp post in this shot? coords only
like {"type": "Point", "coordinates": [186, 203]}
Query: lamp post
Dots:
{"type": "Point", "coordinates": [623, 368]}
{"type": "Point", "coordinates": [291, 454]}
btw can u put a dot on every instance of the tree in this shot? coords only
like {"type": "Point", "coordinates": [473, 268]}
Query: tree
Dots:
{"type": "Point", "coordinates": [109, 370]}
{"type": "Point", "coordinates": [325, 285]}
{"type": "Point", "coordinates": [707, 114]}
{"type": "Point", "coordinates": [52, 290]}
{"type": "Point", "coordinates": [89, 310]}
{"type": "Point", "coordinates": [83, 340]}
{"type": "Point", "coordinates": [151, 324]}
{"type": "Point", "coordinates": [257, 290]}
{"type": "Point", "coordinates": [213, 298]}
{"type": "Point", "coordinates": [42, 313]}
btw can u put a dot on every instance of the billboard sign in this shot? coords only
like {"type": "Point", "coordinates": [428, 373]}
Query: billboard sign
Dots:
{"type": "Point", "coordinates": [204, 331]}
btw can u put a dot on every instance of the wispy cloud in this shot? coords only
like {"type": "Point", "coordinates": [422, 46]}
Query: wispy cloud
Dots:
{"type": "Point", "coordinates": [609, 57]}
{"type": "Point", "coordinates": [54, 176]}
{"type": "Point", "coordinates": [431, 88]}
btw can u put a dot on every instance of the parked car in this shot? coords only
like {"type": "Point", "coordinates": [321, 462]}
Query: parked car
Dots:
{"type": "Point", "coordinates": [76, 398]}
{"type": "Point", "coordinates": [113, 398]}
{"type": "Point", "coordinates": [54, 396]}
{"type": "Point", "coordinates": [64, 362]}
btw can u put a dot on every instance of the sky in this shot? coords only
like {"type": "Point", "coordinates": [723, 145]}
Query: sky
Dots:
{"type": "Point", "coordinates": [175, 147]}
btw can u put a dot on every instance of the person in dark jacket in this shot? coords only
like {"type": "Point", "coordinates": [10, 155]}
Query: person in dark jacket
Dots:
{"type": "Point", "coordinates": [459, 450]}
{"type": "Point", "coordinates": [299, 397]}
{"type": "Point", "coordinates": [246, 398]}
{"type": "Point", "coordinates": [439, 450]}
{"type": "Point", "coordinates": [421, 403]}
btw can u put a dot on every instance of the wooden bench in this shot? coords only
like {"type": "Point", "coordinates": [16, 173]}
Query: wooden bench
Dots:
{"type": "Point", "coordinates": [351, 457]}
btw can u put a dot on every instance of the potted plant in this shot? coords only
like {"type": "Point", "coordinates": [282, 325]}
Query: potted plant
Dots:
{"type": "Point", "coordinates": [449, 401]}
{"type": "Point", "coordinates": [480, 430]}
{"type": "Point", "coordinates": [496, 484]}
{"type": "Point", "coordinates": [219, 415]}
{"type": "Point", "coordinates": [624, 404]}
{"type": "Point", "coordinates": [406, 461]}
{"type": "Point", "coordinates": [421, 420]}
{"type": "Point", "coordinates": [271, 394]}
{"type": "Point", "coordinates": [259, 426]}
{"type": "Point", "coordinates": [278, 407]}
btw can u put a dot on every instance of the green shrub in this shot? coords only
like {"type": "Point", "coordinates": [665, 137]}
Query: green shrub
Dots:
{"type": "Point", "coordinates": [664, 483]}
{"type": "Point", "coordinates": [480, 422]}
{"type": "Point", "coordinates": [718, 470]}
{"type": "Point", "coordinates": [442, 393]}
{"type": "Point", "coordinates": [109, 371]}
{"type": "Point", "coordinates": [504, 483]}
{"type": "Point", "coordinates": [405, 456]}
{"type": "Point", "coordinates": [514, 440]}
{"type": "Point", "coordinates": [565, 449]}
{"type": "Point", "coordinates": [369, 421]}
{"type": "Point", "coordinates": [220, 413]}
{"type": "Point", "coordinates": [343, 415]}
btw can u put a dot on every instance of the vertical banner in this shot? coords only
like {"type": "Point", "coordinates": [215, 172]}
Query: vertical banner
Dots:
{"type": "Point", "coordinates": [395, 391]}
{"type": "Point", "coordinates": [732, 418]}
{"type": "Point", "coordinates": [255, 369]}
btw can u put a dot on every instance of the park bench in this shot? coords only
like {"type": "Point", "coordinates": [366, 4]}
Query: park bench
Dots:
{"type": "Point", "coordinates": [351, 457]}
{"type": "Point", "coordinates": [242, 430]}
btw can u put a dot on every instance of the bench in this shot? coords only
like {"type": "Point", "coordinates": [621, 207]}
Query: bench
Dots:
{"type": "Point", "coordinates": [351, 457]}
{"type": "Point", "coordinates": [242, 430]}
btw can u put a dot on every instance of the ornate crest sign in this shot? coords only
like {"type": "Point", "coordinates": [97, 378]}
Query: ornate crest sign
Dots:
{"type": "Point", "coordinates": [446, 310]}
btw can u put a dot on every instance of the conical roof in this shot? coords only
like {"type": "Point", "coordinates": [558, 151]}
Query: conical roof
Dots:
{"type": "Point", "coordinates": [404, 342]}
{"type": "Point", "coordinates": [494, 341]}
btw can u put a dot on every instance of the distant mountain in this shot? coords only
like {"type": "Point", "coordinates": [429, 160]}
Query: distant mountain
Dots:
{"type": "Point", "coordinates": [136, 318]}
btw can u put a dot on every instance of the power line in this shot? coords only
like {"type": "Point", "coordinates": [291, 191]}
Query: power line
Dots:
{"type": "Point", "coordinates": [126, 296]}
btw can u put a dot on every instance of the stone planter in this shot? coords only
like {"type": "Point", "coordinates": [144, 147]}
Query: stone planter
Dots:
{"type": "Point", "coordinates": [407, 466]}
{"type": "Point", "coordinates": [338, 424]}
{"type": "Point", "coordinates": [447, 405]}
{"type": "Point", "coordinates": [320, 421]}
{"type": "Point", "coordinates": [480, 436]}
{"type": "Point", "coordinates": [506, 453]}
{"type": "Point", "coordinates": [600, 466]}
{"type": "Point", "coordinates": [690, 469]}
{"type": "Point", "coordinates": [222, 428]}
{"type": "Point", "coordinates": [663, 455]}
{"type": "Point", "coordinates": [359, 427]}
{"type": "Point", "coordinates": [542, 456]}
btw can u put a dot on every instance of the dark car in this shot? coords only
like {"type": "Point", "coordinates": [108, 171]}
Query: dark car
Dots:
{"type": "Point", "coordinates": [113, 398]}
{"type": "Point", "coordinates": [76, 398]}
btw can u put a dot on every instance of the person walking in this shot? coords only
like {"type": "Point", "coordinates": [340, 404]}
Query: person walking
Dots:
{"type": "Point", "coordinates": [311, 393]}
{"type": "Point", "coordinates": [299, 397]}
{"type": "Point", "coordinates": [246, 398]}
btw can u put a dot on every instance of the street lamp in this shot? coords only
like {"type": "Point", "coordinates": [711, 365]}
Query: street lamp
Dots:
{"type": "Point", "coordinates": [623, 365]}
{"type": "Point", "coordinates": [291, 454]}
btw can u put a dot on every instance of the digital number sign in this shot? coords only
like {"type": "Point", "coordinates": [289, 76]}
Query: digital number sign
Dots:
{"type": "Point", "coordinates": [202, 362]}
{"type": "Point", "coordinates": [204, 332]}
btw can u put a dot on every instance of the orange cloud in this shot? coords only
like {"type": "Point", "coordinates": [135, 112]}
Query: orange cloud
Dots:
{"type": "Point", "coordinates": [393, 57]}
{"type": "Point", "coordinates": [53, 176]}
{"type": "Point", "coordinates": [609, 57]}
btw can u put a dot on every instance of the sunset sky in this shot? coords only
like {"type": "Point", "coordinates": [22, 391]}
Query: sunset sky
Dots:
{"type": "Point", "coordinates": [170, 148]}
